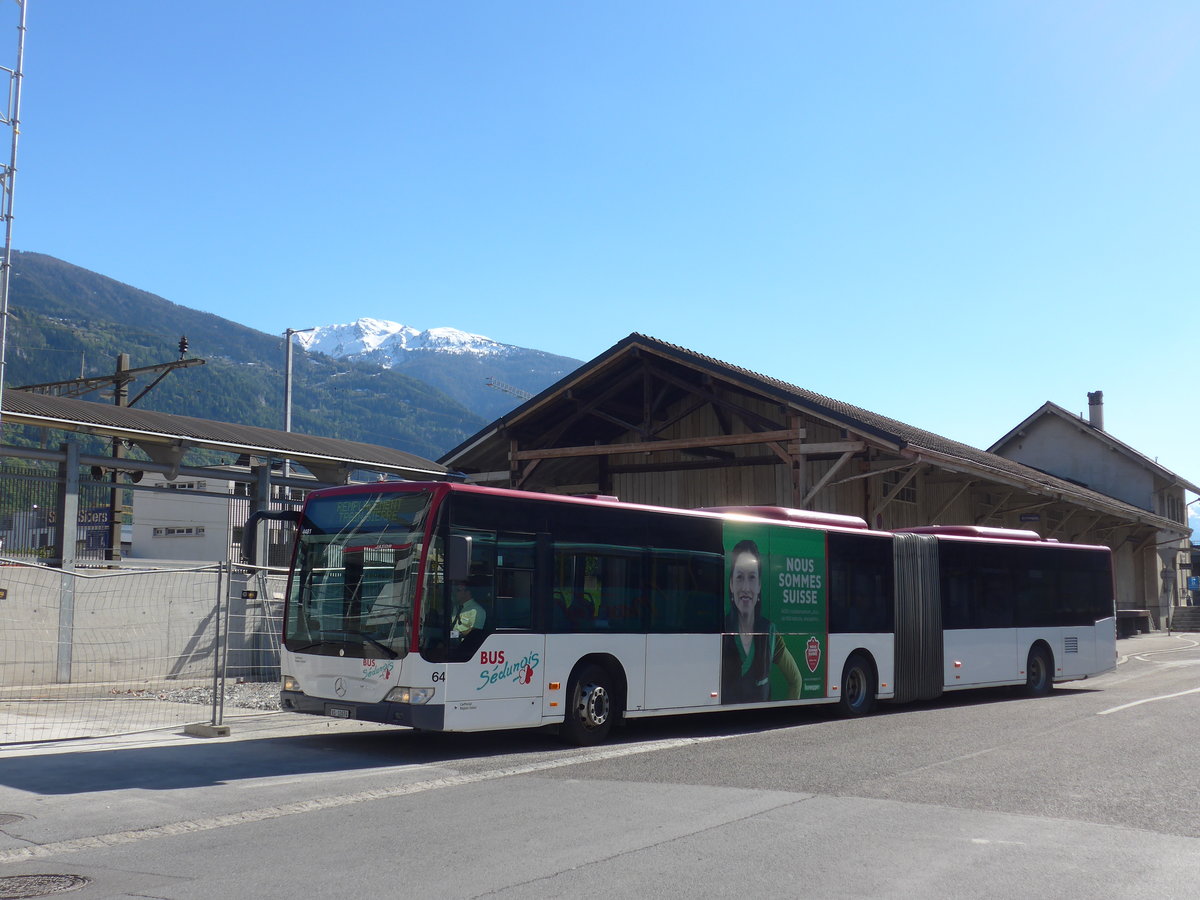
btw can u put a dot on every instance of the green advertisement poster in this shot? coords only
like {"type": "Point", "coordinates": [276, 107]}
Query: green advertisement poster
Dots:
{"type": "Point", "coordinates": [774, 643]}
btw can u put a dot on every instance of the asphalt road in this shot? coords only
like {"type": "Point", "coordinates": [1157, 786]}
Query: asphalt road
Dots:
{"type": "Point", "coordinates": [1088, 793]}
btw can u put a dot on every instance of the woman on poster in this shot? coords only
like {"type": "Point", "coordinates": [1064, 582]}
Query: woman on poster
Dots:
{"type": "Point", "coordinates": [751, 645]}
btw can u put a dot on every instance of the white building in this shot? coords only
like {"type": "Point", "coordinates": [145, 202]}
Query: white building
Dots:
{"type": "Point", "coordinates": [188, 519]}
{"type": "Point", "coordinates": [195, 519]}
{"type": "Point", "coordinates": [1071, 447]}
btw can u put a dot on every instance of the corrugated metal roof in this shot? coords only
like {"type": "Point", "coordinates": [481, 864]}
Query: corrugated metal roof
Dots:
{"type": "Point", "coordinates": [147, 427]}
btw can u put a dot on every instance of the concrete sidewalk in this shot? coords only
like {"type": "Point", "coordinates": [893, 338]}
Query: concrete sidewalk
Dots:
{"type": "Point", "coordinates": [253, 724]}
{"type": "Point", "coordinates": [241, 725]}
{"type": "Point", "coordinates": [1155, 642]}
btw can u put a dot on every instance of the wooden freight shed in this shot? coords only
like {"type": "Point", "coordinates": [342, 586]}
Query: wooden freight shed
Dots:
{"type": "Point", "coordinates": [651, 422]}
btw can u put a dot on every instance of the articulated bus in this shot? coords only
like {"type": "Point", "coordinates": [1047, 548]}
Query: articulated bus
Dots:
{"type": "Point", "coordinates": [450, 607]}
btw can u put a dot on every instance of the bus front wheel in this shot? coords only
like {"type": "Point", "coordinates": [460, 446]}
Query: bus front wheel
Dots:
{"type": "Point", "coordinates": [858, 687]}
{"type": "Point", "coordinates": [591, 707]}
{"type": "Point", "coordinates": [1039, 675]}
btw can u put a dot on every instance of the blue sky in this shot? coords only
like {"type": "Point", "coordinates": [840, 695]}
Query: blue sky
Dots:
{"type": "Point", "coordinates": [945, 212]}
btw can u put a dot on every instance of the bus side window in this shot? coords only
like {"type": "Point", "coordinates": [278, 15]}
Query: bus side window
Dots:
{"type": "Point", "coordinates": [706, 593]}
{"type": "Point", "coordinates": [581, 611]}
{"type": "Point", "coordinates": [613, 583]}
{"type": "Point", "coordinates": [957, 590]}
{"type": "Point", "coordinates": [572, 611]}
{"type": "Point", "coordinates": [558, 613]}
{"type": "Point", "coordinates": [514, 599]}
{"type": "Point", "coordinates": [686, 592]}
{"type": "Point", "coordinates": [861, 584]}
{"type": "Point", "coordinates": [576, 582]}
{"type": "Point", "coordinates": [995, 598]}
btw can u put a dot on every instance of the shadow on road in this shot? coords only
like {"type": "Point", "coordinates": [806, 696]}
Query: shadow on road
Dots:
{"type": "Point", "coordinates": [176, 766]}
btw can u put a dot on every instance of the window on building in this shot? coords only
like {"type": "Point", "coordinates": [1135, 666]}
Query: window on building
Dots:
{"type": "Point", "coordinates": [906, 494]}
{"type": "Point", "coordinates": [179, 531]}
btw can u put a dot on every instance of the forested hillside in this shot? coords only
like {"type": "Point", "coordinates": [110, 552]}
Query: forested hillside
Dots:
{"type": "Point", "coordinates": [66, 321]}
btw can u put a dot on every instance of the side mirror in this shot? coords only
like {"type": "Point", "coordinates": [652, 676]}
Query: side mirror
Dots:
{"type": "Point", "coordinates": [458, 557]}
{"type": "Point", "coordinates": [250, 533]}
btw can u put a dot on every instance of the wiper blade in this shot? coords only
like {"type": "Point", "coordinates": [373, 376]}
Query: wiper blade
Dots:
{"type": "Point", "coordinates": [392, 654]}
{"type": "Point", "coordinates": [344, 637]}
{"type": "Point", "coordinates": [308, 646]}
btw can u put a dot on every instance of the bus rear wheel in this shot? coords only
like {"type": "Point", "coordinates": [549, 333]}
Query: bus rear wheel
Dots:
{"type": "Point", "coordinates": [591, 707]}
{"type": "Point", "coordinates": [858, 687]}
{"type": "Point", "coordinates": [1039, 677]}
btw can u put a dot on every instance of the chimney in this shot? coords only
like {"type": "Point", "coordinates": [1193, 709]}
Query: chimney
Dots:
{"type": "Point", "coordinates": [1096, 409]}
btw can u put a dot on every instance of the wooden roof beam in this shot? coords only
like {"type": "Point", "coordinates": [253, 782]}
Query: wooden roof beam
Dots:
{"type": "Point", "coordinates": [826, 478]}
{"type": "Point", "coordinates": [695, 406]}
{"type": "Point", "coordinates": [1086, 529]}
{"type": "Point", "coordinates": [719, 440]}
{"type": "Point", "coordinates": [585, 409]}
{"type": "Point", "coordinates": [996, 507]}
{"type": "Point", "coordinates": [1058, 529]}
{"type": "Point", "coordinates": [1023, 508]}
{"type": "Point", "coordinates": [900, 485]}
{"type": "Point", "coordinates": [966, 485]}
{"type": "Point", "coordinates": [692, 465]}
{"type": "Point", "coordinates": [750, 417]}
{"type": "Point", "coordinates": [861, 475]}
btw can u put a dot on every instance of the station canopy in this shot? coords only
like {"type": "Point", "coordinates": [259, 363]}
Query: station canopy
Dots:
{"type": "Point", "coordinates": [166, 438]}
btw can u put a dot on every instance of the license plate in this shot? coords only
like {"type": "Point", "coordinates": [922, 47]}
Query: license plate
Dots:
{"type": "Point", "coordinates": [339, 712]}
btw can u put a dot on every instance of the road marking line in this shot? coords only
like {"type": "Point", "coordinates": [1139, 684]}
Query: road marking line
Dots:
{"type": "Point", "coordinates": [1147, 700]}
{"type": "Point", "coordinates": [210, 823]}
{"type": "Point", "coordinates": [1190, 645]}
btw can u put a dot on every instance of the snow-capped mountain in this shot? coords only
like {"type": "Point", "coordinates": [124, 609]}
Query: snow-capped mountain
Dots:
{"type": "Point", "coordinates": [386, 343]}
{"type": "Point", "coordinates": [466, 366]}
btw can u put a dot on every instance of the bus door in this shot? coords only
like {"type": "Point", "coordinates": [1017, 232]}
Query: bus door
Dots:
{"type": "Point", "coordinates": [597, 608]}
{"type": "Point", "coordinates": [495, 675]}
{"type": "Point", "coordinates": [683, 646]}
{"type": "Point", "coordinates": [978, 602]}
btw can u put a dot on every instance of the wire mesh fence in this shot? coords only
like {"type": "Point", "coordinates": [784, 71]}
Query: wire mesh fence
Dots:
{"type": "Point", "coordinates": [89, 654]}
{"type": "Point", "coordinates": [254, 621]}
{"type": "Point", "coordinates": [152, 519]}
{"type": "Point", "coordinates": [29, 510]}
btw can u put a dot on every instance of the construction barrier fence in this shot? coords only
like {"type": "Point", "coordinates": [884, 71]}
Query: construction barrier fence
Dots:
{"type": "Point", "coordinates": [115, 651]}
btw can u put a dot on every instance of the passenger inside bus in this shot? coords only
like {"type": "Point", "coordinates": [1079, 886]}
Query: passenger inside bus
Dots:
{"type": "Point", "coordinates": [577, 614]}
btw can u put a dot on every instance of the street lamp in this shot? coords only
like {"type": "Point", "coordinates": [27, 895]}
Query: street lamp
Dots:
{"type": "Point", "coordinates": [287, 392]}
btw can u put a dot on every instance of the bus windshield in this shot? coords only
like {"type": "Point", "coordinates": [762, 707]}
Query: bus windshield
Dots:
{"type": "Point", "coordinates": [355, 579]}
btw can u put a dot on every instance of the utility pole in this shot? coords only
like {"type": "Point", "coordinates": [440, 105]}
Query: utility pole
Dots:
{"type": "Point", "coordinates": [77, 387]}
{"type": "Point", "coordinates": [287, 395]}
{"type": "Point", "coordinates": [116, 508]}
{"type": "Point", "coordinates": [8, 174]}
{"type": "Point", "coordinates": [120, 381]}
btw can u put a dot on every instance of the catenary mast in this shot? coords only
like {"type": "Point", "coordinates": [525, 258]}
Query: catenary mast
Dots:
{"type": "Point", "coordinates": [8, 173]}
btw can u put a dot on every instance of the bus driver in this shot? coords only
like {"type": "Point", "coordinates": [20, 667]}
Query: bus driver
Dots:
{"type": "Point", "coordinates": [468, 615]}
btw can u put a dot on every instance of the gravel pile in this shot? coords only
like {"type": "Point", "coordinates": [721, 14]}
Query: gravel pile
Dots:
{"type": "Point", "coordinates": [251, 695]}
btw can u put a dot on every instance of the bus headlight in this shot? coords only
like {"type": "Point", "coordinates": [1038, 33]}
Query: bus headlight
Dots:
{"type": "Point", "coordinates": [415, 696]}
{"type": "Point", "coordinates": [290, 683]}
